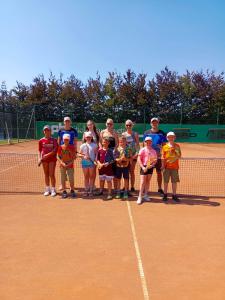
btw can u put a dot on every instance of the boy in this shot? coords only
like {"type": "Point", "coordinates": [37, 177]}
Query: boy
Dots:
{"type": "Point", "coordinates": [105, 159]}
{"type": "Point", "coordinates": [170, 164]}
{"type": "Point", "coordinates": [122, 166]}
{"type": "Point", "coordinates": [66, 156]}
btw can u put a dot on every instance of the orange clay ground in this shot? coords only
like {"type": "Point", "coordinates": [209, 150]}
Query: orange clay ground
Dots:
{"type": "Point", "coordinates": [53, 249]}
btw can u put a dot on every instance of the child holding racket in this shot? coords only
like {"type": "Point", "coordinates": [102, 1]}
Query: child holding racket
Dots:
{"type": "Point", "coordinates": [66, 156]}
{"type": "Point", "coordinates": [105, 160]}
{"type": "Point", "coordinates": [124, 154]}
{"type": "Point", "coordinates": [170, 164]}
{"type": "Point", "coordinates": [88, 152]}
{"type": "Point", "coordinates": [47, 157]}
{"type": "Point", "coordinates": [147, 158]}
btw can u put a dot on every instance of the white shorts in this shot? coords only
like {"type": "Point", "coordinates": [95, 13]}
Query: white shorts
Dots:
{"type": "Point", "coordinates": [106, 178]}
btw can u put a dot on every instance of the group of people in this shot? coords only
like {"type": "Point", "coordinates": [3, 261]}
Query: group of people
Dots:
{"type": "Point", "coordinates": [114, 156]}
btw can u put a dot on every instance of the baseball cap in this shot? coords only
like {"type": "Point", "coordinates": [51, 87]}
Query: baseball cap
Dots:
{"type": "Point", "coordinates": [154, 119]}
{"type": "Point", "coordinates": [46, 127]}
{"type": "Point", "coordinates": [66, 136]}
{"type": "Point", "coordinates": [171, 133]}
{"type": "Point", "coordinates": [148, 138]}
{"type": "Point", "coordinates": [88, 134]}
{"type": "Point", "coordinates": [67, 119]}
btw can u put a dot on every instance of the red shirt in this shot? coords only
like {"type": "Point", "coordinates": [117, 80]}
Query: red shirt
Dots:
{"type": "Point", "coordinates": [46, 146]}
{"type": "Point", "coordinates": [67, 154]}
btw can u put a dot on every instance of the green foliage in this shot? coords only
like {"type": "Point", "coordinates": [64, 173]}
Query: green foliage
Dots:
{"type": "Point", "coordinates": [194, 97]}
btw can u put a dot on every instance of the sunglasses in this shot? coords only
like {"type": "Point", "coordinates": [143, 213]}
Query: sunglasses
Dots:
{"type": "Point", "coordinates": [128, 125]}
{"type": "Point", "coordinates": [109, 123]}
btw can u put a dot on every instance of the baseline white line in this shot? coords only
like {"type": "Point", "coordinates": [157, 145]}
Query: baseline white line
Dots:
{"type": "Point", "coordinates": [138, 255]}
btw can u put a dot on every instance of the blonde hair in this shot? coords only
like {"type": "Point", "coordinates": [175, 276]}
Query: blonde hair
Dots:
{"type": "Point", "coordinates": [130, 122]}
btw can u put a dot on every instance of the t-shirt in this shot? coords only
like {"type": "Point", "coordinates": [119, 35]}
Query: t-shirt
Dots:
{"type": "Point", "coordinates": [158, 138]}
{"type": "Point", "coordinates": [131, 141]}
{"type": "Point", "coordinates": [145, 155]}
{"type": "Point", "coordinates": [66, 154]}
{"type": "Point", "coordinates": [105, 156]}
{"type": "Point", "coordinates": [46, 146]}
{"type": "Point", "coordinates": [72, 132]}
{"type": "Point", "coordinates": [89, 150]}
{"type": "Point", "coordinates": [171, 156]}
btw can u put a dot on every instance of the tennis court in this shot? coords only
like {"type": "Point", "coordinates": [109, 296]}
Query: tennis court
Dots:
{"type": "Point", "coordinates": [94, 249]}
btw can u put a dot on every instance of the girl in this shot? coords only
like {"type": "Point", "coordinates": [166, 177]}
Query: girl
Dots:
{"type": "Point", "coordinates": [88, 151]}
{"type": "Point", "coordinates": [47, 157]}
{"type": "Point", "coordinates": [91, 127]}
{"type": "Point", "coordinates": [147, 159]}
{"type": "Point", "coordinates": [132, 141]}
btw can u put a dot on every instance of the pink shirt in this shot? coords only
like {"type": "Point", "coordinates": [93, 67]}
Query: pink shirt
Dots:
{"type": "Point", "coordinates": [145, 154]}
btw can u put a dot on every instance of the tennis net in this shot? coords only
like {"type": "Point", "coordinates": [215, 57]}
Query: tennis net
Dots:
{"type": "Point", "coordinates": [19, 173]}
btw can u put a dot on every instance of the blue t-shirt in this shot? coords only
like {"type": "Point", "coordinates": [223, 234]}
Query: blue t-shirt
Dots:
{"type": "Point", "coordinates": [158, 138]}
{"type": "Point", "coordinates": [72, 132]}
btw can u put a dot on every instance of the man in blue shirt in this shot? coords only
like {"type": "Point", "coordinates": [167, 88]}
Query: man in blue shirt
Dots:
{"type": "Point", "coordinates": [68, 130]}
{"type": "Point", "coordinates": [158, 140]}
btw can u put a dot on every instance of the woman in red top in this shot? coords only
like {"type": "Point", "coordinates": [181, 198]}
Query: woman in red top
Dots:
{"type": "Point", "coordinates": [47, 157]}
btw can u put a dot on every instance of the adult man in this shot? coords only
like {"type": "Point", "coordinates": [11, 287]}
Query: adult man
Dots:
{"type": "Point", "coordinates": [68, 130]}
{"type": "Point", "coordinates": [158, 140]}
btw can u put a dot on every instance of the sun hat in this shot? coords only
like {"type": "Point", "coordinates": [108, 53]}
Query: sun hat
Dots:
{"type": "Point", "coordinates": [66, 136]}
{"type": "Point", "coordinates": [148, 138]}
{"type": "Point", "coordinates": [46, 127]}
{"type": "Point", "coordinates": [171, 133]}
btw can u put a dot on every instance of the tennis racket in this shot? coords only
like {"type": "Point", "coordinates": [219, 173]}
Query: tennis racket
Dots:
{"type": "Point", "coordinates": [150, 163]}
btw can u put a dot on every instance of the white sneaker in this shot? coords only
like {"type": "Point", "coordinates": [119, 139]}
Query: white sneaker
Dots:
{"type": "Point", "coordinates": [47, 192]}
{"type": "Point", "coordinates": [139, 200]}
{"type": "Point", "coordinates": [53, 192]}
{"type": "Point", "coordinates": [146, 198]}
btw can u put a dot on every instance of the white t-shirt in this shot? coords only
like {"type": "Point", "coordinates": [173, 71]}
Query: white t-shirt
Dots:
{"type": "Point", "coordinates": [89, 150]}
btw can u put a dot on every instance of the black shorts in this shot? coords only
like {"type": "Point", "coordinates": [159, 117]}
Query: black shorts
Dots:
{"type": "Point", "coordinates": [122, 171]}
{"type": "Point", "coordinates": [149, 171]}
{"type": "Point", "coordinates": [158, 165]}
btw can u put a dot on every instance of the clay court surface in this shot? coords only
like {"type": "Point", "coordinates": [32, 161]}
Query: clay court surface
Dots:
{"type": "Point", "coordinates": [53, 249]}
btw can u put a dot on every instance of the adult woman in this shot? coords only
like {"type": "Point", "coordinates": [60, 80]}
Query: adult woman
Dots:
{"type": "Point", "coordinates": [110, 134]}
{"type": "Point", "coordinates": [133, 141]}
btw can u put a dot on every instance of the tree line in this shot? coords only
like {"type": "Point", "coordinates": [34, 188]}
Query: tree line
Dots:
{"type": "Point", "coordinates": [194, 97]}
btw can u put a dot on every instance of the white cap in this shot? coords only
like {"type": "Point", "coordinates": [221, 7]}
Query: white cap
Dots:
{"type": "Point", "coordinates": [88, 134]}
{"type": "Point", "coordinates": [67, 119]}
{"type": "Point", "coordinates": [148, 138]}
{"type": "Point", "coordinates": [154, 119]}
{"type": "Point", "coordinates": [66, 136]}
{"type": "Point", "coordinates": [46, 127]}
{"type": "Point", "coordinates": [171, 133]}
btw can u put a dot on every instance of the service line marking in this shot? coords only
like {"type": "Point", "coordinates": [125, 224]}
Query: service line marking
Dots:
{"type": "Point", "coordinates": [138, 254]}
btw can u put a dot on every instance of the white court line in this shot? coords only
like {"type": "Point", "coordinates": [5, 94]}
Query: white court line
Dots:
{"type": "Point", "coordinates": [4, 170]}
{"type": "Point", "coordinates": [138, 255]}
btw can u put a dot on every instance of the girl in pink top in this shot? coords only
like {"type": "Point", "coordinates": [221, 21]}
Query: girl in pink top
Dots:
{"type": "Point", "coordinates": [147, 159]}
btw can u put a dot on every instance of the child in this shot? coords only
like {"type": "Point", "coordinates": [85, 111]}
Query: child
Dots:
{"type": "Point", "coordinates": [170, 164]}
{"type": "Point", "coordinates": [66, 156]}
{"type": "Point", "coordinates": [122, 167]}
{"type": "Point", "coordinates": [147, 159]}
{"type": "Point", "coordinates": [88, 151]}
{"type": "Point", "coordinates": [105, 159]}
{"type": "Point", "coordinates": [47, 157]}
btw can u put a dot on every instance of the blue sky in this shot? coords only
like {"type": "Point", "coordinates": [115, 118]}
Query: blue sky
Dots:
{"type": "Point", "coordinates": [83, 37]}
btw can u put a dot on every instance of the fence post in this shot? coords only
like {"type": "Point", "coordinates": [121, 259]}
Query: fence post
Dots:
{"type": "Point", "coordinates": [17, 127]}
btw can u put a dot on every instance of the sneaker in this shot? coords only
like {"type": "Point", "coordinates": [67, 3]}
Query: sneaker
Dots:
{"type": "Point", "coordinates": [175, 198]}
{"type": "Point", "coordinates": [125, 195]}
{"type": "Point", "coordinates": [118, 195]}
{"type": "Point", "coordinates": [53, 192]}
{"type": "Point", "coordinates": [109, 197]}
{"type": "Point", "coordinates": [98, 193]}
{"type": "Point", "coordinates": [146, 198]}
{"type": "Point", "coordinates": [165, 199]}
{"type": "Point", "coordinates": [161, 191]}
{"type": "Point", "coordinates": [64, 195]}
{"type": "Point", "coordinates": [72, 194]}
{"type": "Point", "coordinates": [139, 200]}
{"type": "Point", "coordinates": [132, 189]}
{"type": "Point", "coordinates": [47, 192]}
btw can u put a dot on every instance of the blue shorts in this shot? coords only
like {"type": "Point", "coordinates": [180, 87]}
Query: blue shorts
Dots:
{"type": "Point", "coordinates": [122, 171]}
{"type": "Point", "coordinates": [85, 163]}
